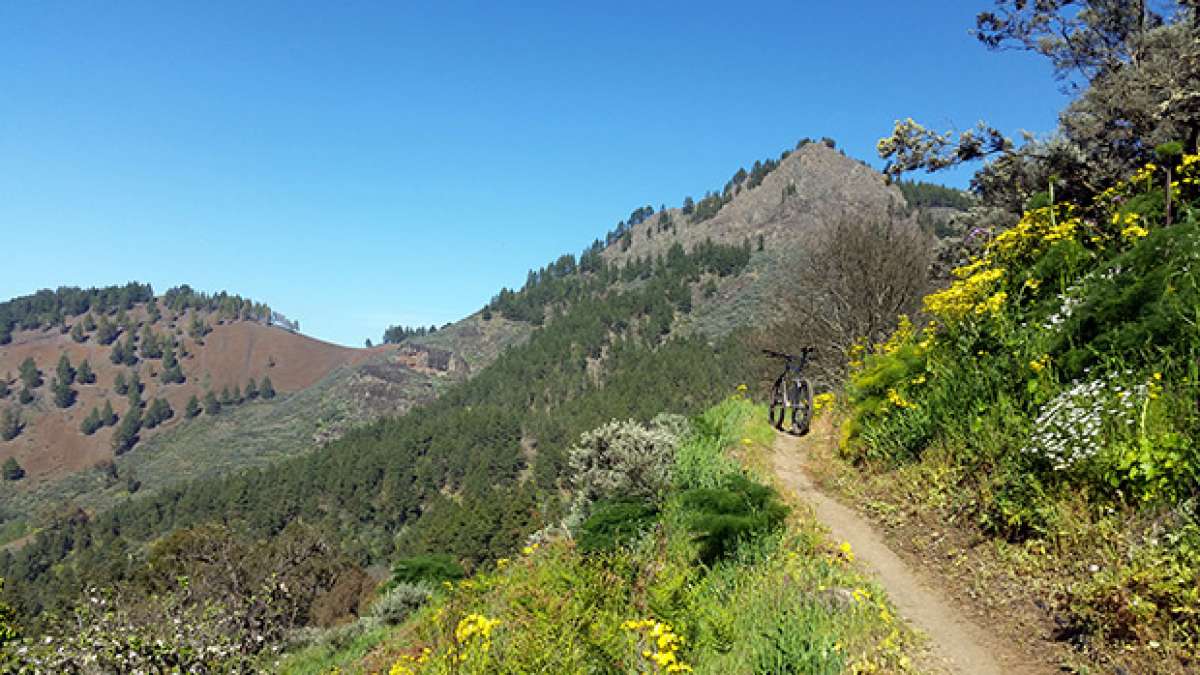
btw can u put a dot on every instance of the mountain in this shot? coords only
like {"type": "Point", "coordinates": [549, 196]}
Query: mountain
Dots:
{"type": "Point", "coordinates": [642, 324]}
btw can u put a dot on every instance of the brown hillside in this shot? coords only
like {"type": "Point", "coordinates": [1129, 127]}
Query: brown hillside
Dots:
{"type": "Point", "coordinates": [52, 444]}
{"type": "Point", "coordinates": [809, 188]}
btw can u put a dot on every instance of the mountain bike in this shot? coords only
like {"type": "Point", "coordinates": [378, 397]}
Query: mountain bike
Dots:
{"type": "Point", "coordinates": [792, 391]}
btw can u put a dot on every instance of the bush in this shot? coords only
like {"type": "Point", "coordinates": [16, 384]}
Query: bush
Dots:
{"type": "Point", "coordinates": [613, 524]}
{"type": "Point", "coordinates": [398, 602]}
{"type": "Point", "coordinates": [433, 568]}
{"type": "Point", "coordinates": [625, 460]}
{"type": "Point", "coordinates": [721, 518]}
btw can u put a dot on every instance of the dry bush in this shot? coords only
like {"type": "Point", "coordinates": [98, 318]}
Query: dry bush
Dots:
{"type": "Point", "coordinates": [856, 276]}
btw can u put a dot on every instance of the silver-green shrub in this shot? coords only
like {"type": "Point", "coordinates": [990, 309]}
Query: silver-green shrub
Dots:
{"type": "Point", "coordinates": [625, 460]}
{"type": "Point", "coordinates": [394, 606]}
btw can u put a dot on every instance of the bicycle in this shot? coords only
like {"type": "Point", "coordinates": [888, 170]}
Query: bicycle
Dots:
{"type": "Point", "coordinates": [792, 391]}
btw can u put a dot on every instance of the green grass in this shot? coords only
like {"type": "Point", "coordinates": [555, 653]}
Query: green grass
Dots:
{"type": "Point", "coordinates": [785, 601]}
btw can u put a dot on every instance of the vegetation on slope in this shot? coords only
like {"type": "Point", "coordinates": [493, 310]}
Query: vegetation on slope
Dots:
{"type": "Point", "coordinates": [1055, 382]}
{"type": "Point", "coordinates": [711, 575]}
{"type": "Point", "coordinates": [467, 476]}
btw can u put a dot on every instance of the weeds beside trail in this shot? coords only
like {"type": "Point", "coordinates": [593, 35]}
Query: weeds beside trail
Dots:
{"type": "Point", "coordinates": [712, 583]}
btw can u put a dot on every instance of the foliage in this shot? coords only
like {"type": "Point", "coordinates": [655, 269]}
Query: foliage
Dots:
{"type": "Point", "coordinates": [10, 424]}
{"type": "Point", "coordinates": [783, 602]}
{"type": "Point", "coordinates": [48, 308]}
{"type": "Point", "coordinates": [614, 523]}
{"type": "Point", "coordinates": [1060, 365]}
{"type": "Point", "coordinates": [419, 569]}
{"type": "Point", "coordinates": [399, 602]}
{"type": "Point", "coordinates": [12, 469]}
{"type": "Point", "coordinates": [721, 518]}
{"type": "Point", "coordinates": [625, 460]}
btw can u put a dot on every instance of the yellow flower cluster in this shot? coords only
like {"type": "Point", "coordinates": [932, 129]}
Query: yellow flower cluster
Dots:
{"type": "Point", "coordinates": [904, 331]}
{"type": "Point", "coordinates": [823, 401]}
{"type": "Point", "coordinates": [897, 399]}
{"type": "Point", "coordinates": [1039, 364]}
{"type": "Point", "coordinates": [661, 644]}
{"type": "Point", "coordinates": [410, 665]}
{"type": "Point", "coordinates": [963, 296]}
{"type": "Point", "coordinates": [846, 551]}
{"type": "Point", "coordinates": [473, 625]}
{"type": "Point", "coordinates": [992, 305]}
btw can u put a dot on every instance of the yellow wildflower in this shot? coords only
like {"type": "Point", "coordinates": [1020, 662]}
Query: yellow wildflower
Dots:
{"type": "Point", "coordinates": [846, 551]}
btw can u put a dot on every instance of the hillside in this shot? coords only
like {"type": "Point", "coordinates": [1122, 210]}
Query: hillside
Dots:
{"type": "Point", "coordinates": [321, 390]}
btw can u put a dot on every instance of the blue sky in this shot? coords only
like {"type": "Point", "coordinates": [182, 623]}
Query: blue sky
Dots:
{"type": "Point", "coordinates": [361, 164]}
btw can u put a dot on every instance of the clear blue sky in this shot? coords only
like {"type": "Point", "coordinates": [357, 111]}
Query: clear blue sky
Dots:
{"type": "Point", "coordinates": [361, 164]}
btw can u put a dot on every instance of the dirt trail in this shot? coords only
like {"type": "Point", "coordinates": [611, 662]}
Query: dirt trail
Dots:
{"type": "Point", "coordinates": [957, 644]}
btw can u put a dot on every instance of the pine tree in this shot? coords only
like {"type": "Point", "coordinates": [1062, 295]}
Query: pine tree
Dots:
{"type": "Point", "coordinates": [266, 389]}
{"type": "Point", "coordinates": [66, 374]}
{"type": "Point", "coordinates": [193, 407]}
{"type": "Point", "coordinates": [172, 371]}
{"type": "Point", "coordinates": [135, 392]}
{"type": "Point", "coordinates": [211, 405]}
{"type": "Point", "coordinates": [91, 423]}
{"type": "Point", "coordinates": [4, 388]}
{"type": "Point", "coordinates": [26, 396]}
{"type": "Point", "coordinates": [131, 357]}
{"type": "Point", "coordinates": [226, 396]}
{"type": "Point", "coordinates": [30, 375]}
{"type": "Point", "coordinates": [108, 415]}
{"type": "Point", "coordinates": [77, 333]}
{"type": "Point", "coordinates": [251, 389]}
{"type": "Point", "coordinates": [10, 425]}
{"type": "Point", "coordinates": [120, 385]}
{"type": "Point", "coordinates": [85, 374]}
{"type": "Point", "coordinates": [159, 412]}
{"type": "Point", "coordinates": [151, 344]}
{"type": "Point", "coordinates": [126, 435]}
{"type": "Point", "coordinates": [64, 395]}
{"type": "Point", "coordinates": [237, 395]}
{"type": "Point", "coordinates": [89, 323]}
{"type": "Point", "coordinates": [12, 470]}
{"type": "Point", "coordinates": [106, 331]}
{"type": "Point", "coordinates": [117, 355]}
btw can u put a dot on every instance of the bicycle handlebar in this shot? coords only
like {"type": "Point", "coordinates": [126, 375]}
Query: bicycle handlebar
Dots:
{"type": "Point", "coordinates": [804, 351]}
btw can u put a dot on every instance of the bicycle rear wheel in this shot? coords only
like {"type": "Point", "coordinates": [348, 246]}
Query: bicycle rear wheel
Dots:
{"type": "Point", "coordinates": [777, 410]}
{"type": "Point", "coordinates": [802, 407]}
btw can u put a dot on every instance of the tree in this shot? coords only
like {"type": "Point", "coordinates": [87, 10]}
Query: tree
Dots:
{"type": "Point", "coordinates": [172, 371]}
{"type": "Point", "coordinates": [120, 385]}
{"type": "Point", "coordinates": [130, 351]}
{"type": "Point", "coordinates": [158, 412]}
{"type": "Point", "coordinates": [91, 423]}
{"type": "Point", "coordinates": [126, 434]}
{"type": "Point", "coordinates": [151, 344]}
{"type": "Point", "coordinates": [266, 389]}
{"type": "Point", "coordinates": [12, 470]}
{"type": "Point", "coordinates": [30, 375]}
{"type": "Point", "coordinates": [193, 407]}
{"type": "Point", "coordinates": [89, 322]}
{"type": "Point", "coordinates": [226, 396]}
{"type": "Point", "coordinates": [689, 205]}
{"type": "Point", "coordinates": [237, 394]}
{"type": "Point", "coordinates": [77, 333]}
{"type": "Point", "coordinates": [26, 396]}
{"type": "Point", "coordinates": [10, 425]}
{"type": "Point", "coordinates": [211, 405]}
{"type": "Point", "coordinates": [64, 395]}
{"type": "Point", "coordinates": [368, 344]}
{"type": "Point", "coordinates": [66, 374]}
{"type": "Point", "coordinates": [106, 331]}
{"type": "Point", "coordinates": [251, 390]}
{"type": "Point", "coordinates": [135, 391]}
{"type": "Point", "coordinates": [85, 375]}
{"type": "Point", "coordinates": [4, 386]}
{"type": "Point", "coordinates": [108, 415]}
{"type": "Point", "coordinates": [859, 275]}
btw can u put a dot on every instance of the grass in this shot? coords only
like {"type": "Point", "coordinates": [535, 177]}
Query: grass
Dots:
{"type": "Point", "coordinates": [785, 601]}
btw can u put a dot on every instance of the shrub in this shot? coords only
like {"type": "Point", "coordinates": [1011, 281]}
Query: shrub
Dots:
{"type": "Point", "coordinates": [400, 601]}
{"type": "Point", "coordinates": [613, 524]}
{"type": "Point", "coordinates": [433, 568]}
{"type": "Point", "coordinates": [625, 460]}
{"type": "Point", "coordinates": [721, 518]}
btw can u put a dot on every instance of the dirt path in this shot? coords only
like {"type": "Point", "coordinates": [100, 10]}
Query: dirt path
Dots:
{"type": "Point", "coordinates": [956, 644]}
